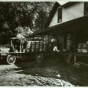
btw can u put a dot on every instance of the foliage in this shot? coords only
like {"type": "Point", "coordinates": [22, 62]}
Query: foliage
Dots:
{"type": "Point", "coordinates": [30, 14]}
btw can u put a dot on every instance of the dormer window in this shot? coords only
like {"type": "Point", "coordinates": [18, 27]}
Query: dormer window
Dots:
{"type": "Point", "coordinates": [59, 15]}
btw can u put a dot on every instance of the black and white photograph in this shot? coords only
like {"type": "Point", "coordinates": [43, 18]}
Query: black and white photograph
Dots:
{"type": "Point", "coordinates": [44, 43]}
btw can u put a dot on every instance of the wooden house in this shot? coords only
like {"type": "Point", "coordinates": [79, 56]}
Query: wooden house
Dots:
{"type": "Point", "coordinates": [69, 22]}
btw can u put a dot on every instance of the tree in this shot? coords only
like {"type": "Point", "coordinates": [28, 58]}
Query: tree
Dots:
{"type": "Point", "coordinates": [30, 14]}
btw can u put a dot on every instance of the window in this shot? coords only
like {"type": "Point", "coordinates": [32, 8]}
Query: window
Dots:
{"type": "Point", "coordinates": [59, 15]}
{"type": "Point", "coordinates": [85, 8]}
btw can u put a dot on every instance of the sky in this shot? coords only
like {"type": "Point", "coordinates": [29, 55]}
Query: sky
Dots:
{"type": "Point", "coordinates": [61, 2]}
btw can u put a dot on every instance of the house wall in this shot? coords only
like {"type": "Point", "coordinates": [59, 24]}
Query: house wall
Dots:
{"type": "Point", "coordinates": [54, 19]}
{"type": "Point", "coordinates": [71, 12]}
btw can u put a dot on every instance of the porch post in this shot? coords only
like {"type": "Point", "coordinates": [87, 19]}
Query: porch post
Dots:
{"type": "Point", "coordinates": [43, 42]}
{"type": "Point", "coordinates": [57, 35]}
{"type": "Point", "coordinates": [74, 43]}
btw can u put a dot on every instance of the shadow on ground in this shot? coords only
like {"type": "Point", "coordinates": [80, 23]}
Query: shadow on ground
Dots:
{"type": "Point", "coordinates": [55, 69]}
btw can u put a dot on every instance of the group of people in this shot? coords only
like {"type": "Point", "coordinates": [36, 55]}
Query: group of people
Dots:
{"type": "Point", "coordinates": [54, 46]}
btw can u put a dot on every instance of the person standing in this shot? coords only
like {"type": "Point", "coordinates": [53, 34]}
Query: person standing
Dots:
{"type": "Point", "coordinates": [56, 47]}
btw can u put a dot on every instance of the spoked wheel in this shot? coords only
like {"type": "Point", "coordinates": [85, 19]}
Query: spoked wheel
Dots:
{"type": "Point", "coordinates": [11, 59]}
{"type": "Point", "coordinates": [68, 58]}
{"type": "Point", "coordinates": [39, 58]}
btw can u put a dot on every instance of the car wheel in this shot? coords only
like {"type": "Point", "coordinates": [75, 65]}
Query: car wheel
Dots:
{"type": "Point", "coordinates": [39, 58]}
{"type": "Point", "coordinates": [11, 59]}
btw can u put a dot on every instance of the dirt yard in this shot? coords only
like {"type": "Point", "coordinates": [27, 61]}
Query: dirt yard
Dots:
{"type": "Point", "coordinates": [47, 73]}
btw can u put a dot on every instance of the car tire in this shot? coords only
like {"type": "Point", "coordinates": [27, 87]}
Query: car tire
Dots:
{"type": "Point", "coordinates": [39, 58]}
{"type": "Point", "coordinates": [11, 59]}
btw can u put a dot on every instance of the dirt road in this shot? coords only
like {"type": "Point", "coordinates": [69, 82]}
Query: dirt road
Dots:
{"type": "Point", "coordinates": [47, 73]}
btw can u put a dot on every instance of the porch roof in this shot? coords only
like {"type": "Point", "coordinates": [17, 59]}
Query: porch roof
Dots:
{"type": "Point", "coordinates": [77, 24]}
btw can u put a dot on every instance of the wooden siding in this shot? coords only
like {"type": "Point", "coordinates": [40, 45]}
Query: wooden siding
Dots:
{"type": "Point", "coordinates": [73, 11]}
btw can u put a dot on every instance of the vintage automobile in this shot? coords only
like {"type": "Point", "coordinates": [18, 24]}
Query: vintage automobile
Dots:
{"type": "Point", "coordinates": [17, 50]}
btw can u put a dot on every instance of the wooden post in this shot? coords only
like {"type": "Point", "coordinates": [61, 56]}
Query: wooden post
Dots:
{"type": "Point", "coordinates": [57, 36]}
{"type": "Point", "coordinates": [74, 60]}
{"type": "Point", "coordinates": [47, 40]}
{"type": "Point", "coordinates": [20, 46]}
{"type": "Point", "coordinates": [65, 40]}
{"type": "Point", "coordinates": [35, 46]}
{"type": "Point", "coordinates": [74, 43]}
{"type": "Point", "coordinates": [43, 43]}
{"type": "Point", "coordinates": [39, 46]}
{"type": "Point", "coordinates": [31, 45]}
{"type": "Point", "coordinates": [74, 38]}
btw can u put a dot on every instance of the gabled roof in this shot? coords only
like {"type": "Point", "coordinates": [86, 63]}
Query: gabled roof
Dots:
{"type": "Point", "coordinates": [56, 5]}
{"type": "Point", "coordinates": [69, 4]}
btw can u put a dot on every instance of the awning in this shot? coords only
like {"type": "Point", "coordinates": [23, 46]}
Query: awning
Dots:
{"type": "Point", "coordinates": [77, 24]}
